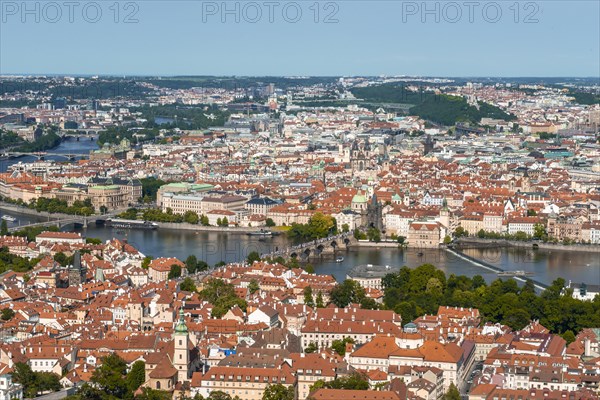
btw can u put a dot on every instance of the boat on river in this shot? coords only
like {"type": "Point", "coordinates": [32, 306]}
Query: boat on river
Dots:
{"type": "Point", "coordinates": [518, 273]}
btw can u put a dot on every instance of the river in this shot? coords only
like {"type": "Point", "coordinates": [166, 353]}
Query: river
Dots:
{"type": "Point", "coordinates": [68, 146]}
{"type": "Point", "coordinates": [213, 247]}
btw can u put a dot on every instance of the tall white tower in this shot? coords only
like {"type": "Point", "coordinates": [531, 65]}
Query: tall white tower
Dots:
{"type": "Point", "coordinates": [181, 355]}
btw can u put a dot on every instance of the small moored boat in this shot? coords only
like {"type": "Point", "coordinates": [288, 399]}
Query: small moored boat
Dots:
{"type": "Point", "coordinates": [261, 232]}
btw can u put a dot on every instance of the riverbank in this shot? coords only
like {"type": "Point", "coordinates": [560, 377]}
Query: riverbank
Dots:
{"type": "Point", "coordinates": [366, 243]}
{"type": "Point", "coordinates": [529, 245]}
{"type": "Point", "coordinates": [28, 211]}
{"type": "Point", "coordinates": [201, 228]}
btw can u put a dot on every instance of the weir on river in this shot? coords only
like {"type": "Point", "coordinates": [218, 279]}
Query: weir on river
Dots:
{"type": "Point", "coordinates": [483, 264]}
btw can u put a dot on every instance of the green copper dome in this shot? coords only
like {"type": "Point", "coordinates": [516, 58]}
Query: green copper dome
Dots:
{"type": "Point", "coordinates": [359, 198]}
{"type": "Point", "coordinates": [181, 328]}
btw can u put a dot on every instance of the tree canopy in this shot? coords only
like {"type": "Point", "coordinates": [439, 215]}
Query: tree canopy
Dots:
{"type": "Point", "coordinates": [278, 392]}
{"type": "Point", "coordinates": [222, 296]}
{"type": "Point", "coordinates": [318, 226]}
{"type": "Point", "coordinates": [414, 292]}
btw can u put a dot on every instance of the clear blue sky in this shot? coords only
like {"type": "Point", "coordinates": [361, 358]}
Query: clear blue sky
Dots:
{"type": "Point", "coordinates": [369, 38]}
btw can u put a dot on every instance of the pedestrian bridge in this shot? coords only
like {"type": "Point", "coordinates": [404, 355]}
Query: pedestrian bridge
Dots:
{"type": "Point", "coordinates": [330, 245]}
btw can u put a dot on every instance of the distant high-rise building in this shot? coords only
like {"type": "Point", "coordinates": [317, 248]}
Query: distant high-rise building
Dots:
{"type": "Point", "coordinates": [270, 89]}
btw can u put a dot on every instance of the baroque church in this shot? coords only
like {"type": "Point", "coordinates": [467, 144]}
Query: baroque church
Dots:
{"type": "Point", "coordinates": [371, 212]}
{"type": "Point", "coordinates": [171, 368]}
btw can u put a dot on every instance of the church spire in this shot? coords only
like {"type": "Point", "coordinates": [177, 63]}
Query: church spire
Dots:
{"type": "Point", "coordinates": [181, 328]}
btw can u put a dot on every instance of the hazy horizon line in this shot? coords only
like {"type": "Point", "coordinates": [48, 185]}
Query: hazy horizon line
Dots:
{"type": "Point", "coordinates": [298, 76]}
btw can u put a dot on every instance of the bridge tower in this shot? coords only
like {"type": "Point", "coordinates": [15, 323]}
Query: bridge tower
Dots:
{"type": "Point", "coordinates": [76, 272]}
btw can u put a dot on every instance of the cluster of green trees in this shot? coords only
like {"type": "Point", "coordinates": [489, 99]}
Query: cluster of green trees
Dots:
{"type": "Point", "coordinates": [31, 232]}
{"type": "Point", "coordinates": [54, 205]}
{"type": "Point", "coordinates": [103, 88]}
{"type": "Point", "coordinates": [63, 259]}
{"type": "Point", "coordinates": [112, 381]}
{"type": "Point", "coordinates": [339, 345]}
{"type": "Point", "coordinates": [222, 296]}
{"type": "Point", "coordinates": [448, 110]}
{"type": "Point", "coordinates": [175, 271]}
{"type": "Point", "coordinates": [194, 265]}
{"type": "Point", "coordinates": [156, 214]}
{"type": "Point", "coordinates": [188, 285]}
{"type": "Point", "coordinates": [150, 187]}
{"type": "Point", "coordinates": [15, 263]}
{"type": "Point", "coordinates": [422, 290]}
{"type": "Point", "coordinates": [349, 292]}
{"type": "Point", "coordinates": [372, 234]}
{"type": "Point", "coordinates": [115, 134]}
{"type": "Point", "coordinates": [7, 314]}
{"type": "Point", "coordinates": [312, 301]}
{"type": "Point", "coordinates": [359, 381]}
{"type": "Point", "coordinates": [234, 82]}
{"type": "Point", "coordinates": [586, 98]}
{"type": "Point", "coordinates": [391, 93]}
{"type": "Point", "coordinates": [354, 381]}
{"type": "Point", "coordinates": [318, 226]}
{"type": "Point", "coordinates": [184, 117]}
{"type": "Point", "coordinates": [539, 233]}
{"type": "Point", "coordinates": [35, 383]}
{"type": "Point", "coordinates": [400, 239]}
{"type": "Point", "coordinates": [359, 235]}
{"type": "Point", "coordinates": [44, 142]}
{"type": "Point", "coordinates": [84, 207]}
{"type": "Point", "coordinates": [443, 109]}
{"type": "Point", "coordinates": [222, 222]}
{"type": "Point", "coordinates": [546, 135]}
{"type": "Point", "coordinates": [279, 392]}
{"type": "Point", "coordinates": [9, 139]}
{"type": "Point", "coordinates": [130, 213]}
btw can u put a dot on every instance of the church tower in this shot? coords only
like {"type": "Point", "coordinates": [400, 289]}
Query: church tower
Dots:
{"type": "Point", "coordinates": [358, 159]}
{"type": "Point", "coordinates": [181, 355]}
{"type": "Point", "coordinates": [445, 214]}
{"type": "Point", "coordinates": [406, 198]}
